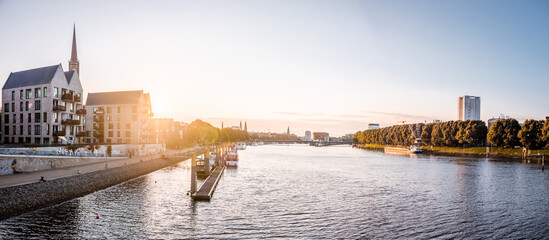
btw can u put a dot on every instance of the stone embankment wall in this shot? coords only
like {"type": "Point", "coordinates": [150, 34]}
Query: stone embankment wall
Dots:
{"type": "Point", "coordinates": [37, 163]}
{"type": "Point", "coordinates": [25, 198]}
{"type": "Point", "coordinates": [59, 157]}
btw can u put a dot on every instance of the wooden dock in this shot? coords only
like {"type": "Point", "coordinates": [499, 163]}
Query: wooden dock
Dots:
{"type": "Point", "coordinates": [208, 187]}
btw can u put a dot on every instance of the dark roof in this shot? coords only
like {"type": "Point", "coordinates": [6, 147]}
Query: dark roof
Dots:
{"type": "Point", "coordinates": [69, 75]}
{"type": "Point", "coordinates": [112, 98]}
{"type": "Point", "coordinates": [31, 77]}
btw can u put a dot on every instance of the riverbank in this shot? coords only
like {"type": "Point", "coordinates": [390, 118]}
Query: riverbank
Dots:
{"type": "Point", "coordinates": [474, 151]}
{"type": "Point", "coordinates": [20, 199]}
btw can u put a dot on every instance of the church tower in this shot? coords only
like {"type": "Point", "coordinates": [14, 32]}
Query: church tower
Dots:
{"type": "Point", "coordinates": [74, 63]}
{"type": "Point", "coordinates": [246, 126]}
{"type": "Point", "coordinates": [288, 132]}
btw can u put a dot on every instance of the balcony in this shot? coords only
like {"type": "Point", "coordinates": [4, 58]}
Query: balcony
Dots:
{"type": "Point", "coordinates": [70, 122]}
{"type": "Point", "coordinates": [67, 97]}
{"type": "Point", "coordinates": [59, 108]}
{"type": "Point", "coordinates": [59, 133]}
{"type": "Point", "coordinates": [81, 112]}
{"type": "Point", "coordinates": [82, 134]}
{"type": "Point", "coordinates": [77, 98]}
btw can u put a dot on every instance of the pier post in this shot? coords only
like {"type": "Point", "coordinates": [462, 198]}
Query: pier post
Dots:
{"type": "Point", "coordinates": [207, 161]}
{"type": "Point", "coordinates": [193, 174]}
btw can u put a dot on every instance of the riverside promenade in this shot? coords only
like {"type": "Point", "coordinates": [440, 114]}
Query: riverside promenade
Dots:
{"type": "Point", "coordinates": [33, 177]}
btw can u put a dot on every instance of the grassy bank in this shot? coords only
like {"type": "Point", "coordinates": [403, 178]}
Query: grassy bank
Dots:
{"type": "Point", "coordinates": [468, 151]}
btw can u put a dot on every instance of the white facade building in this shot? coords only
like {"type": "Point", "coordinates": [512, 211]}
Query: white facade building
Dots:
{"type": "Point", "coordinates": [468, 108]}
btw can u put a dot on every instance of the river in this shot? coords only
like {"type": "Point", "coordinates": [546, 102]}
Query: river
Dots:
{"type": "Point", "coordinates": [298, 191]}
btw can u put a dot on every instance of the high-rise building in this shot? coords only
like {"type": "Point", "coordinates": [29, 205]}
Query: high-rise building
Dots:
{"type": "Point", "coordinates": [44, 105]}
{"type": "Point", "coordinates": [468, 108]}
{"type": "Point", "coordinates": [373, 126]}
{"type": "Point", "coordinates": [308, 136]}
{"type": "Point", "coordinates": [119, 117]}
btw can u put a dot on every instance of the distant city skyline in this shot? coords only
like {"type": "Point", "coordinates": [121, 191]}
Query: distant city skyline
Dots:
{"type": "Point", "coordinates": [320, 66]}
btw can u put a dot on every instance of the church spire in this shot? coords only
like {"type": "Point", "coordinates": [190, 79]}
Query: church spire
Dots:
{"type": "Point", "coordinates": [246, 126]}
{"type": "Point", "coordinates": [74, 63]}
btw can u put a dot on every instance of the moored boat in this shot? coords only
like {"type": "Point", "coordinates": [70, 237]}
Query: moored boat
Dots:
{"type": "Point", "coordinates": [231, 159]}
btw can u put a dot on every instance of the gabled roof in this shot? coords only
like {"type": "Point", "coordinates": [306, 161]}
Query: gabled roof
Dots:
{"type": "Point", "coordinates": [36, 76]}
{"type": "Point", "coordinates": [114, 98]}
{"type": "Point", "coordinates": [69, 75]}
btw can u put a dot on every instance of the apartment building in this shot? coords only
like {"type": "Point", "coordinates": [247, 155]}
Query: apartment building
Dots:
{"type": "Point", "coordinates": [42, 106]}
{"type": "Point", "coordinates": [118, 117]}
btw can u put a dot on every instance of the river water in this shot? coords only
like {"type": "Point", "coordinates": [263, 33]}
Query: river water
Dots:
{"type": "Point", "coordinates": [298, 191]}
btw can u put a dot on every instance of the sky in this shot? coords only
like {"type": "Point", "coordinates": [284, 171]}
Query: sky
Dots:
{"type": "Point", "coordinates": [330, 66]}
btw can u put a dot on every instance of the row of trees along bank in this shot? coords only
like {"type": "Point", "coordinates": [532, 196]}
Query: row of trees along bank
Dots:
{"type": "Point", "coordinates": [504, 133]}
{"type": "Point", "coordinates": [203, 133]}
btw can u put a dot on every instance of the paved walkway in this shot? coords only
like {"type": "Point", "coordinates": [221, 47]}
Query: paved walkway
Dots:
{"type": "Point", "coordinates": [31, 177]}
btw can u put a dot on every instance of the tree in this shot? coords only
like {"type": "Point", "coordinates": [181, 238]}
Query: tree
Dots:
{"type": "Point", "coordinates": [426, 133]}
{"type": "Point", "coordinates": [437, 136]}
{"type": "Point", "coordinates": [530, 134]}
{"type": "Point", "coordinates": [496, 133]}
{"type": "Point", "coordinates": [109, 150]}
{"type": "Point", "coordinates": [475, 132]}
{"type": "Point", "coordinates": [545, 132]}
{"type": "Point", "coordinates": [512, 127]}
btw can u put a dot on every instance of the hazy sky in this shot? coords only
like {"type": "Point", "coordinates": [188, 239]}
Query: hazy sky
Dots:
{"type": "Point", "coordinates": [312, 65]}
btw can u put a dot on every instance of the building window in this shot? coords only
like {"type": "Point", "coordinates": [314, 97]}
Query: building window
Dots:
{"type": "Point", "coordinates": [29, 120]}
{"type": "Point", "coordinates": [109, 110]}
{"type": "Point", "coordinates": [13, 107]}
{"type": "Point", "coordinates": [28, 105]}
{"type": "Point", "coordinates": [20, 129]}
{"type": "Point", "coordinates": [110, 133]}
{"type": "Point", "coordinates": [118, 109]}
{"type": "Point", "coordinates": [29, 130]}
{"type": "Point", "coordinates": [71, 107]}
{"type": "Point", "coordinates": [21, 118]}
{"type": "Point", "coordinates": [36, 117]}
{"type": "Point", "coordinates": [28, 94]}
{"type": "Point", "coordinates": [117, 125]}
{"type": "Point", "coordinates": [45, 91]}
{"type": "Point", "coordinates": [7, 107]}
{"type": "Point", "coordinates": [47, 129]}
{"type": "Point", "coordinates": [14, 120]}
{"type": "Point", "coordinates": [12, 95]}
{"type": "Point", "coordinates": [37, 130]}
{"type": "Point", "coordinates": [118, 118]}
{"type": "Point", "coordinates": [37, 105]}
{"type": "Point", "coordinates": [55, 117]}
{"type": "Point", "coordinates": [37, 140]}
{"type": "Point", "coordinates": [128, 134]}
{"type": "Point", "coordinates": [56, 92]}
{"type": "Point", "coordinates": [46, 140]}
{"type": "Point", "coordinates": [21, 94]}
{"type": "Point", "coordinates": [45, 118]}
{"type": "Point", "coordinates": [118, 134]}
{"type": "Point", "coordinates": [134, 109]}
{"type": "Point", "coordinates": [38, 92]}
{"type": "Point", "coordinates": [21, 106]}
{"type": "Point", "coordinates": [108, 118]}
{"type": "Point", "coordinates": [111, 126]}
{"type": "Point", "coordinates": [28, 139]}
{"type": "Point", "coordinates": [6, 118]}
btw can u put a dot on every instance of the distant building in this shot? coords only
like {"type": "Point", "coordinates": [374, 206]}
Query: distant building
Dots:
{"type": "Point", "coordinates": [118, 117]}
{"type": "Point", "coordinates": [468, 108]}
{"type": "Point", "coordinates": [307, 136]}
{"type": "Point", "coordinates": [161, 130]}
{"type": "Point", "coordinates": [547, 118]}
{"type": "Point", "coordinates": [373, 126]}
{"type": "Point", "coordinates": [321, 136]}
{"type": "Point", "coordinates": [492, 120]}
{"type": "Point", "coordinates": [436, 121]}
{"type": "Point", "coordinates": [288, 131]}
